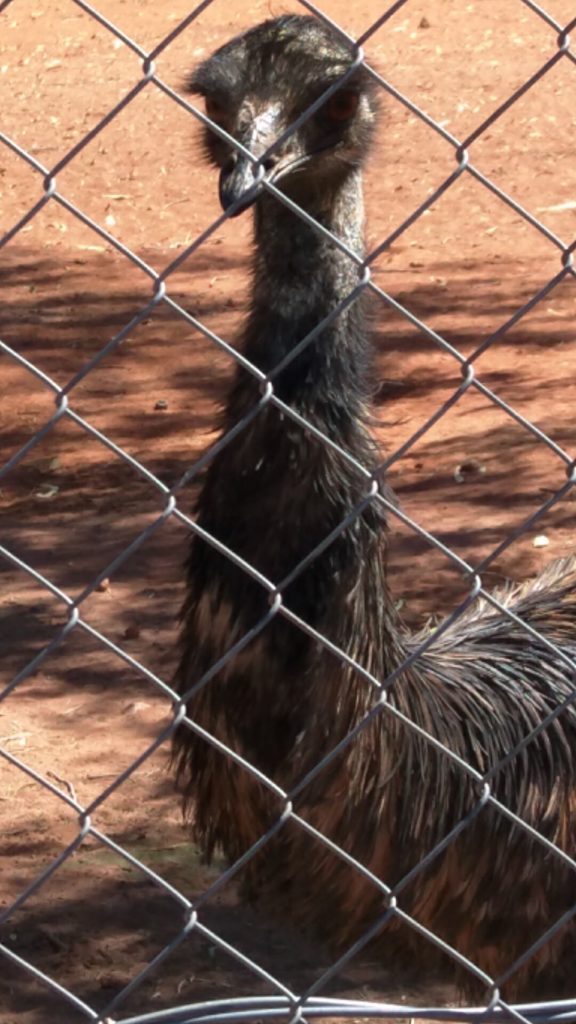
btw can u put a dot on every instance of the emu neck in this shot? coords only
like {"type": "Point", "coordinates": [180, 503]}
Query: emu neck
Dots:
{"type": "Point", "coordinates": [299, 278]}
{"type": "Point", "coordinates": [279, 490]}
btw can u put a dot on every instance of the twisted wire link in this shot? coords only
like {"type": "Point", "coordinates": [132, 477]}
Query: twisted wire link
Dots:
{"type": "Point", "coordinates": [286, 1004]}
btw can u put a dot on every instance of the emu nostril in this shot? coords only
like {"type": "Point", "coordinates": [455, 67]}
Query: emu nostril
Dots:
{"type": "Point", "coordinates": [270, 163]}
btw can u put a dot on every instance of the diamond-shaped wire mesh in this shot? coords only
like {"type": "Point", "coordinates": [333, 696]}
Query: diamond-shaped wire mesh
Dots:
{"type": "Point", "coordinates": [124, 287]}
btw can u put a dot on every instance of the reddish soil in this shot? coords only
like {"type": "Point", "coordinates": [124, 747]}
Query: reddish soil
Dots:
{"type": "Point", "coordinates": [72, 505]}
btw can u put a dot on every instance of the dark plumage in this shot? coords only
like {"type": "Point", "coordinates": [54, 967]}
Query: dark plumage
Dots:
{"type": "Point", "coordinates": [284, 700]}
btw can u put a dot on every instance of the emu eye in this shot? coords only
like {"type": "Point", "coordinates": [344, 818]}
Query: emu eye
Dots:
{"type": "Point", "coordinates": [214, 108]}
{"type": "Point", "coordinates": [342, 105]}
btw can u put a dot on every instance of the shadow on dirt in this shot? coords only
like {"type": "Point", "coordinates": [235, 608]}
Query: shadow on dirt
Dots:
{"type": "Point", "coordinates": [73, 505]}
{"type": "Point", "coordinates": [129, 920]}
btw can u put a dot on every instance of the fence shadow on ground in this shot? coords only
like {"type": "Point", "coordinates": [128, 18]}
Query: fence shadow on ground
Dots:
{"type": "Point", "coordinates": [94, 926]}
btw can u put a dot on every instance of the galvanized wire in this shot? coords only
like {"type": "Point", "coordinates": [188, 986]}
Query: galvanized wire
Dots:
{"type": "Point", "coordinates": [286, 1004]}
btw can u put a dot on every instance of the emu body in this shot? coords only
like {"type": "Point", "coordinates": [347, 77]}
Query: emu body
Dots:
{"type": "Point", "coordinates": [284, 700]}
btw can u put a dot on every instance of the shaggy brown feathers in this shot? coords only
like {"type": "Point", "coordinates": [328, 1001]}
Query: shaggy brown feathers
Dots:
{"type": "Point", "coordinates": [284, 700]}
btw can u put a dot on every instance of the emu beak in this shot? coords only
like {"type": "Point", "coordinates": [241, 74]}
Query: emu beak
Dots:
{"type": "Point", "coordinates": [239, 180]}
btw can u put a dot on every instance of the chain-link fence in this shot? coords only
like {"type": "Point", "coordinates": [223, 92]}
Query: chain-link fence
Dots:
{"type": "Point", "coordinates": [40, 563]}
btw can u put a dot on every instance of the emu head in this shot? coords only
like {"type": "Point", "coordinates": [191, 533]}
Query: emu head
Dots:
{"type": "Point", "coordinates": [257, 85]}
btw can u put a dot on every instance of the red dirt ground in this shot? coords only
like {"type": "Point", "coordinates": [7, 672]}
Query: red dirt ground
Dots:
{"type": "Point", "coordinates": [72, 505]}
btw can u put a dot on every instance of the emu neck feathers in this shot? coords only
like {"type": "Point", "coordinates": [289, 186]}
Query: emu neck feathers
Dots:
{"type": "Point", "coordinates": [299, 277]}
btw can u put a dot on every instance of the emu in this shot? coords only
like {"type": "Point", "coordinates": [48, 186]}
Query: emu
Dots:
{"type": "Point", "coordinates": [285, 699]}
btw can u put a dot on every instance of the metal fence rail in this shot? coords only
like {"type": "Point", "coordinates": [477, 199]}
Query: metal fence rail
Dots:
{"type": "Point", "coordinates": [287, 1004]}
